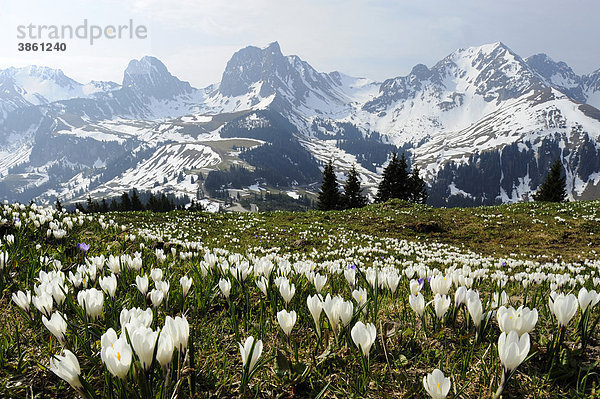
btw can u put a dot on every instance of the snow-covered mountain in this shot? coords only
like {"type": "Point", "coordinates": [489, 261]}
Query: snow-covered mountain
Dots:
{"type": "Point", "coordinates": [258, 78]}
{"type": "Point", "coordinates": [483, 124]}
{"type": "Point", "coordinates": [591, 88]}
{"type": "Point", "coordinates": [33, 85]}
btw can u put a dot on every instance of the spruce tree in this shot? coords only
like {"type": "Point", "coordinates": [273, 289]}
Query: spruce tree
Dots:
{"type": "Point", "coordinates": [402, 182]}
{"type": "Point", "coordinates": [329, 195]}
{"type": "Point", "coordinates": [104, 206]}
{"type": "Point", "coordinates": [353, 197]}
{"type": "Point", "coordinates": [417, 187]}
{"type": "Point", "coordinates": [394, 183]}
{"type": "Point", "coordinates": [397, 182]}
{"type": "Point", "coordinates": [152, 204]}
{"type": "Point", "coordinates": [136, 203]}
{"type": "Point", "coordinates": [125, 202]}
{"type": "Point", "coordinates": [114, 205]}
{"type": "Point", "coordinates": [384, 190]}
{"type": "Point", "coordinates": [554, 188]}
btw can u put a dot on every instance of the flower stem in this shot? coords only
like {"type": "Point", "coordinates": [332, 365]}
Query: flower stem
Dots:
{"type": "Point", "coordinates": [502, 384]}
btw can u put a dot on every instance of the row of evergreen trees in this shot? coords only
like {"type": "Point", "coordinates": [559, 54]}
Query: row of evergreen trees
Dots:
{"type": "Point", "coordinates": [330, 196]}
{"type": "Point", "coordinates": [396, 182]}
{"type": "Point", "coordinates": [131, 201]}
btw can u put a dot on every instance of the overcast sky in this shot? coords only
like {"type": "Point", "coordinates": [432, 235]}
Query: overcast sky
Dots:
{"type": "Point", "coordinates": [375, 39]}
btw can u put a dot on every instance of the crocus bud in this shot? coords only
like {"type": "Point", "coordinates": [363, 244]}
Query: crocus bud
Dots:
{"type": "Point", "coordinates": [142, 284]}
{"type": "Point", "coordinates": [319, 282]}
{"type": "Point", "coordinates": [225, 287]}
{"type": "Point", "coordinates": [57, 325]}
{"type": "Point", "coordinates": [587, 298]}
{"type": "Point", "coordinates": [22, 299]}
{"type": "Point", "coordinates": [565, 307]}
{"type": "Point", "coordinates": [156, 296]}
{"type": "Point", "coordinates": [286, 320]}
{"type": "Point", "coordinates": [441, 303]}
{"type": "Point", "coordinates": [143, 340]}
{"type": "Point", "coordinates": [315, 306]}
{"type": "Point", "coordinates": [512, 349]}
{"type": "Point", "coordinates": [287, 291]}
{"type": "Point", "coordinates": [475, 310]}
{"type": "Point", "coordinates": [364, 336]}
{"type": "Point", "coordinates": [109, 285]}
{"type": "Point", "coordinates": [164, 351]}
{"type": "Point", "coordinates": [67, 368]}
{"type": "Point", "coordinates": [186, 284]}
{"type": "Point", "coordinates": [417, 303]}
{"type": "Point", "coordinates": [253, 357]}
{"type": "Point", "coordinates": [91, 301]}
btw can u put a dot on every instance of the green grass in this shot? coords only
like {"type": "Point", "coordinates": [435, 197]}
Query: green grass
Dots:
{"type": "Point", "coordinates": [394, 234]}
{"type": "Point", "coordinates": [525, 230]}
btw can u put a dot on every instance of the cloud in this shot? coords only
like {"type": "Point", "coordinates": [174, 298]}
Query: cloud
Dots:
{"type": "Point", "coordinates": [373, 38]}
{"type": "Point", "coordinates": [210, 17]}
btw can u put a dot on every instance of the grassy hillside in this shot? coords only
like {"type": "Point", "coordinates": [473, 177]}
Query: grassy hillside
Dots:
{"type": "Point", "coordinates": [569, 231]}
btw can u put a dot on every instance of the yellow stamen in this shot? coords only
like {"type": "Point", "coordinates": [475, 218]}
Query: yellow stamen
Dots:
{"type": "Point", "coordinates": [118, 356]}
{"type": "Point", "coordinates": [440, 386]}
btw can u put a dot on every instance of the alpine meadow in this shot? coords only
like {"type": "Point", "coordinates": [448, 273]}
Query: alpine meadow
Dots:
{"type": "Point", "coordinates": [394, 200]}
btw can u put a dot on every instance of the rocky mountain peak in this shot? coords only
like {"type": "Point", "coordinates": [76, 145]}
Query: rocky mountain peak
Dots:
{"type": "Point", "coordinates": [150, 77]}
{"type": "Point", "coordinates": [248, 66]}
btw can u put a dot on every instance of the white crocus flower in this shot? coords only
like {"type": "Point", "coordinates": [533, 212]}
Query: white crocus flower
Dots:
{"type": "Point", "coordinates": [245, 350]}
{"type": "Point", "coordinates": [364, 336]}
{"type": "Point", "coordinates": [315, 306]}
{"type": "Point", "coordinates": [186, 284]}
{"type": "Point", "coordinates": [512, 349]}
{"type": "Point", "coordinates": [225, 287]}
{"type": "Point", "coordinates": [67, 368]}
{"type": "Point", "coordinates": [286, 320]}
{"type": "Point", "coordinates": [57, 325]}
{"type": "Point", "coordinates": [143, 340]}
{"type": "Point", "coordinates": [436, 385]}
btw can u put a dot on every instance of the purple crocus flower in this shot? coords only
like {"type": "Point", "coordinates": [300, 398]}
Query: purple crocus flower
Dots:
{"type": "Point", "coordinates": [83, 247]}
{"type": "Point", "coordinates": [422, 280]}
{"type": "Point", "coordinates": [353, 267]}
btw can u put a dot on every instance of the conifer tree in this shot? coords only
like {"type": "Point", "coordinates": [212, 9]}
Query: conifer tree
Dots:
{"type": "Point", "coordinates": [353, 197]}
{"type": "Point", "coordinates": [114, 205]}
{"type": "Point", "coordinates": [329, 195]}
{"type": "Point", "coordinates": [554, 188]}
{"type": "Point", "coordinates": [418, 189]}
{"type": "Point", "coordinates": [397, 182]}
{"type": "Point", "coordinates": [104, 206]}
{"type": "Point", "coordinates": [394, 183]}
{"type": "Point", "coordinates": [136, 204]}
{"type": "Point", "coordinates": [384, 190]}
{"type": "Point", "coordinates": [152, 203]}
{"type": "Point", "coordinates": [91, 206]}
{"type": "Point", "coordinates": [125, 202]}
